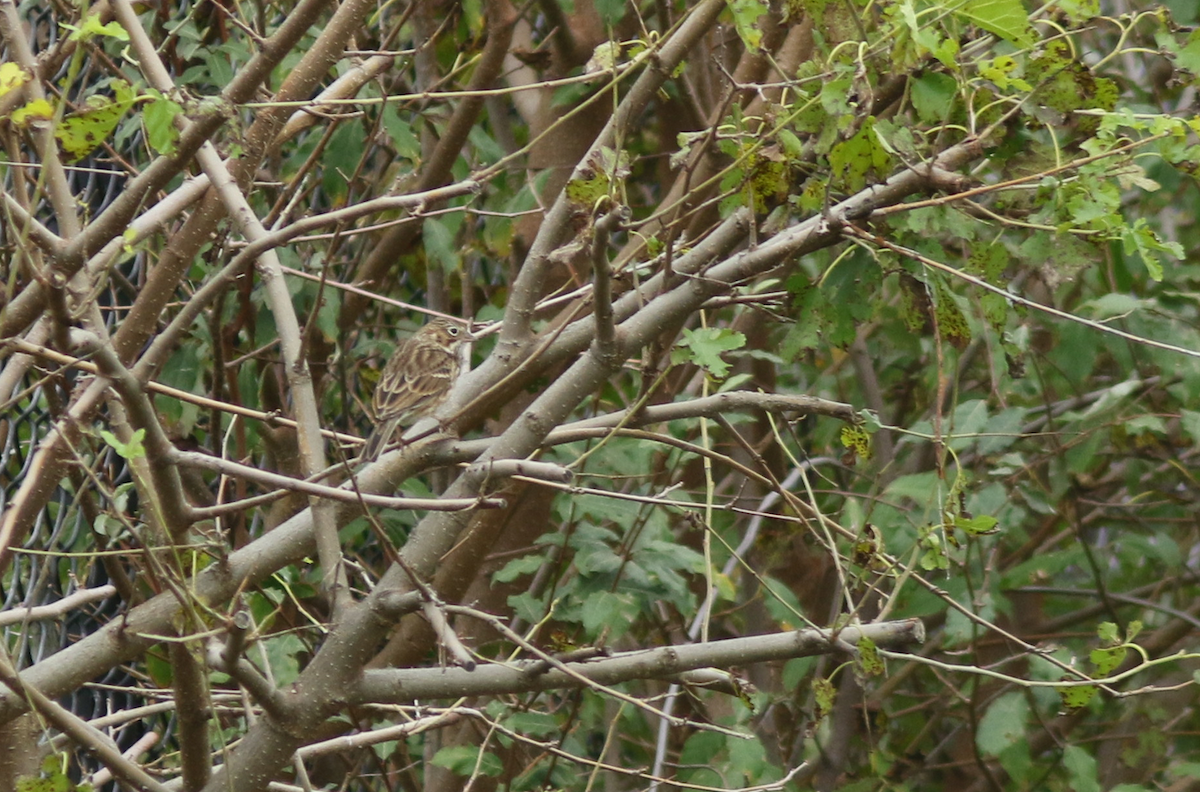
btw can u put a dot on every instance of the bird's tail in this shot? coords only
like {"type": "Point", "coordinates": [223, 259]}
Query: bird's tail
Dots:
{"type": "Point", "coordinates": [380, 437]}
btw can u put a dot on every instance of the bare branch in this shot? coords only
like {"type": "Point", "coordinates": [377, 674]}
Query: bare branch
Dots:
{"type": "Point", "coordinates": [79, 731]}
{"type": "Point", "coordinates": [341, 495]}
{"type": "Point", "coordinates": [167, 489]}
{"type": "Point", "coordinates": [404, 685]}
{"type": "Point", "coordinates": [606, 341]}
{"type": "Point", "coordinates": [58, 609]}
{"type": "Point", "coordinates": [526, 289]}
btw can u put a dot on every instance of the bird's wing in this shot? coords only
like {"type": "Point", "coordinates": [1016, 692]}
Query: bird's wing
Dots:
{"type": "Point", "coordinates": [414, 381]}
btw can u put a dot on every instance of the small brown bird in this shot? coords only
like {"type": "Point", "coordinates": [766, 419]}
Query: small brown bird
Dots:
{"type": "Point", "coordinates": [416, 380]}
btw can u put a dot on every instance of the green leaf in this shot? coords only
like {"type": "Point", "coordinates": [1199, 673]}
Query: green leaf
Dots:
{"type": "Point", "coordinates": [935, 557]}
{"type": "Point", "coordinates": [977, 526]}
{"type": "Point", "coordinates": [1003, 724]}
{"type": "Point", "coordinates": [527, 607]}
{"type": "Point", "coordinates": [795, 670]}
{"type": "Point", "coordinates": [1190, 421]}
{"type": "Point", "coordinates": [1079, 11]}
{"type": "Point", "coordinates": [1018, 763]}
{"type": "Point", "coordinates": [53, 778]}
{"type": "Point", "coordinates": [1077, 696]}
{"type": "Point", "coordinates": [611, 11]}
{"type": "Point", "coordinates": [918, 487]}
{"type": "Point", "coordinates": [108, 526]}
{"type": "Point", "coordinates": [91, 27]}
{"type": "Point", "coordinates": [604, 174]}
{"type": "Point", "coordinates": [1113, 305]}
{"type": "Point", "coordinates": [746, 14]}
{"type": "Point", "coordinates": [1081, 769]}
{"type": "Point", "coordinates": [951, 322]}
{"type": "Point", "coordinates": [514, 569]}
{"type": "Point", "coordinates": [852, 159]}
{"type": "Point", "coordinates": [341, 159]}
{"type": "Point", "coordinates": [606, 609]}
{"type": "Point", "coordinates": [705, 346]}
{"type": "Point", "coordinates": [131, 450]}
{"type": "Point", "coordinates": [824, 694]}
{"type": "Point", "coordinates": [1004, 72]}
{"type": "Point", "coordinates": [535, 723]}
{"type": "Point", "coordinates": [995, 310]}
{"type": "Point", "coordinates": [791, 144]}
{"type": "Point", "coordinates": [868, 657]}
{"type": "Point", "coordinates": [463, 759]}
{"type": "Point", "coordinates": [933, 95]}
{"type": "Point", "coordinates": [700, 748]}
{"type": "Point", "coordinates": [283, 653]}
{"type": "Point", "coordinates": [604, 56]}
{"type": "Point", "coordinates": [747, 758]}
{"type": "Point", "coordinates": [1188, 56]}
{"type": "Point", "coordinates": [1106, 660]}
{"type": "Point", "coordinates": [916, 309]}
{"type": "Point", "coordinates": [1141, 239]}
{"type": "Point", "coordinates": [401, 133]}
{"type": "Point", "coordinates": [439, 244]}
{"type": "Point", "coordinates": [1005, 18]}
{"type": "Point", "coordinates": [988, 262]}
{"type": "Point", "coordinates": [158, 117]}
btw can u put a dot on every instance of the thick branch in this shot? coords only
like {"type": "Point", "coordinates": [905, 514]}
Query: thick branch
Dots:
{"type": "Point", "coordinates": [436, 171]}
{"type": "Point", "coordinates": [80, 731]}
{"type": "Point", "coordinates": [163, 476]}
{"type": "Point", "coordinates": [113, 221]}
{"type": "Point", "coordinates": [606, 338]}
{"type": "Point", "coordinates": [304, 399]}
{"type": "Point", "coordinates": [402, 686]}
{"type": "Point", "coordinates": [526, 289]}
{"type": "Point", "coordinates": [42, 134]}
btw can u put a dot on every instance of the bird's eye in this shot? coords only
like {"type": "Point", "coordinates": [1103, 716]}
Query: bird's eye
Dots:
{"type": "Point", "coordinates": [452, 331]}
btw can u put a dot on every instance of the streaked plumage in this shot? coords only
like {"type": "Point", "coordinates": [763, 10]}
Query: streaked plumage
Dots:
{"type": "Point", "coordinates": [416, 380]}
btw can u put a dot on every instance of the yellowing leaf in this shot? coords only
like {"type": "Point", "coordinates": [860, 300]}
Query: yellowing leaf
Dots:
{"type": "Point", "coordinates": [37, 110]}
{"type": "Point", "coordinates": [12, 77]}
{"type": "Point", "coordinates": [824, 694]}
{"type": "Point", "coordinates": [868, 657]}
{"type": "Point", "coordinates": [80, 133]}
{"type": "Point", "coordinates": [604, 57]}
{"type": "Point", "coordinates": [857, 441]}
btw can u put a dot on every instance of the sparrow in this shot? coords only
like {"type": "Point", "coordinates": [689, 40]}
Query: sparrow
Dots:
{"type": "Point", "coordinates": [416, 380]}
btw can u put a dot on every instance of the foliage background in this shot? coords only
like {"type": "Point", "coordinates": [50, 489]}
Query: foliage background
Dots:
{"type": "Point", "coordinates": [966, 228]}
